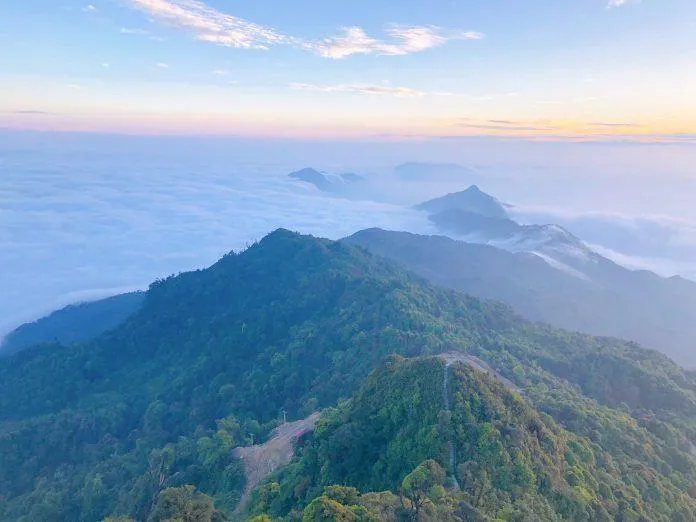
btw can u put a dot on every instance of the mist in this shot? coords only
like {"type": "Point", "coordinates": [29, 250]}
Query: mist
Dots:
{"type": "Point", "coordinates": [85, 216]}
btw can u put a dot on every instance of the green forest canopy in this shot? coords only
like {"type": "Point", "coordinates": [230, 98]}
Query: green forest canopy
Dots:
{"type": "Point", "coordinates": [296, 323]}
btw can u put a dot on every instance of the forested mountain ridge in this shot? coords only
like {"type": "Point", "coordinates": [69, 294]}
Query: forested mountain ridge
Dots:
{"type": "Point", "coordinates": [609, 300]}
{"type": "Point", "coordinates": [292, 323]}
{"type": "Point", "coordinates": [507, 462]}
{"type": "Point", "coordinates": [75, 323]}
{"type": "Point", "coordinates": [295, 323]}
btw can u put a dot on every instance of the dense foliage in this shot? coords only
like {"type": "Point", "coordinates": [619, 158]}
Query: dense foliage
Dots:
{"type": "Point", "coordinates": [512, 463]}
{"type": "Point", "coordinates": [596, 296]}
{"type": "Point", "coordinates": [293, 323]}
{"type": "Point", "coordinates": [296, 323]}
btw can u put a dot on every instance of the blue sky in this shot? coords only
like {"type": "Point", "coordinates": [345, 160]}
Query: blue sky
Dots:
{"type": "Point", "coordinates": [565, 69]}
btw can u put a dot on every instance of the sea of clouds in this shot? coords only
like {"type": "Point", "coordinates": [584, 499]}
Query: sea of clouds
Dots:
{"type": "Point", "coordinates": [81, 225]}
{"type": "Point", "coordinates": [87, 217]}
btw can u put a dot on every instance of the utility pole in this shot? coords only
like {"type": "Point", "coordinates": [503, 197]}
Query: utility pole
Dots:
{"type": "Point", "coordinates": [285, 419]}
{"type": "Point", "coordinates": [252, 438]}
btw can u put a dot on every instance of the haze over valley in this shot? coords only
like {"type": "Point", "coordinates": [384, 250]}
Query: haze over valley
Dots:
{"type": "Point", "coordinates": [97, 222]}
{"type": "Point", "coordinates": [347, 261]}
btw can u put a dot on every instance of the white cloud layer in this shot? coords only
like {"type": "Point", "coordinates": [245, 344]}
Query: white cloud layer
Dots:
{"type": "Point", "coordinates": [118, 215]}
{"type": "Point", "coordinates": [662, 244]}
{"type": "Point", "coordinates": [86, 215]}
{"type": "Point", "coordinates": [210, 25]}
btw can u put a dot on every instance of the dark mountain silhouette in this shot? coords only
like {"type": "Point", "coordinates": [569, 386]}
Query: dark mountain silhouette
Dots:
{"type": "Point", "coordinates": [472, 200]}
{"type": "Point", "coordinates": [75, 323]}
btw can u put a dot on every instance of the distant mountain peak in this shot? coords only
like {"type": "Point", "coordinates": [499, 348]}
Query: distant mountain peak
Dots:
{"type": "Point", "coordinates": [326, 182]}
{"type": "Point", "coordinates": [280, 232]}
{"type": "Point", "coordinates": [313, 177]}
{"type": "Point", "coordinates": [306, 170]}
{"type": "Point", "coordinates": [472, 200]}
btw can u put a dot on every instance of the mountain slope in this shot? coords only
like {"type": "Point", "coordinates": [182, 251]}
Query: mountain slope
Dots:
{"type": "Point", "coordinates": [74, 323]}
{"type": "Point", "coordinates": [294, 323]}
{"type": "Point", "coordinates": [477, 217]}
{"type": "Point", "coordinates": [510, 462]}
{"type": "Point", "coordinates": [466, 223]}
{"type": "Point", "coordinates": [606, 300]}
{"type": "Point", "coordinates": [471, 200]}
{"type": "Point", "coordinates": [555, 245]}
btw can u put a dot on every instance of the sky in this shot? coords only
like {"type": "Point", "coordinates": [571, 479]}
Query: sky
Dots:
{"type": "Point", "coordinates": [541, 69]}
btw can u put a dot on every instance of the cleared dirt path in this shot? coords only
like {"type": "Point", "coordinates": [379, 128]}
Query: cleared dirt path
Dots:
{"type": "Point", "coordinates": [451, 358]}
{"type": "Point", "coordinates": [450, 445]}
{"type": "Point", "coordinates": [475, 362]}
{"type": "Point", "coordinates": [263, 459]}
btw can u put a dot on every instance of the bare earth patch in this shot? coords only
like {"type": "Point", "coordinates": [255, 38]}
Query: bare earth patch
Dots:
{"type": "Point", "coordinates": [263, 459]}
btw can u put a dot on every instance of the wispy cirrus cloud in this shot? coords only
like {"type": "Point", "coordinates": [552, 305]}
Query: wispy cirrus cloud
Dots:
{"type": "Point", "coordinates": [29, 112]}
{"type": "Point", "coordinates": [366, 89]}
{"type": "Point", "coordinates": [130, 30]}
{"type": "Point", "coordinates": [210, 25]}
{"type": "Point", "coordinates": [504, 127]}
{"type": "Point", "coordinates": [562, 129]}
{"type": "Point", "coordinates": [616, 124]}
{"type": "Point", "coordinates": [619, 3]}
{"type": "Point", "coordinates": [402, 40]}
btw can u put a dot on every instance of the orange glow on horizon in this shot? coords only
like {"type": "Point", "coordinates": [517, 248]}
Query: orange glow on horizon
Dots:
{"type": "Point", "coordinates": [267, 126]}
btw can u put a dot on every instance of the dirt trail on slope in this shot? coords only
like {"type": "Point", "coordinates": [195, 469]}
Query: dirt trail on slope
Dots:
{"type": "Point", "coordinates": [475, 362]}
{"type": "Point", "coordinates": [451, 358]}
{"type": "Point", "coordinates": [263, 459]}
{"type": "Point", "coordinates": [450, 445]}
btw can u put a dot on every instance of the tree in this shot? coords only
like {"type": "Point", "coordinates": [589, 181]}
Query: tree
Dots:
{"type": "Point", "coordinates": [324, 509]}
{"type": "Point", "coordinates": [417, 485]}
{"type": "Point", "coordinates": [381, 506]}
{"type": "Point", "coordinates": [184, 504]}
{"type": "Point", "coordinates": [342, 494]}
